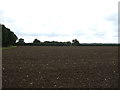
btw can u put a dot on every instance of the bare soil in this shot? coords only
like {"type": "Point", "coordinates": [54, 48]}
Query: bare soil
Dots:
{"type": "Point", "coordinates": [60, 67]}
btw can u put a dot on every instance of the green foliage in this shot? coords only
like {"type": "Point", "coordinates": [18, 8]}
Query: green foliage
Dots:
{"type": "Point", "coordinates": [8, 37]}
{"type": "Point", "coordinates": [21, 41]}
{"type": "Point", "coordinates": [56, 43]}
{"type": "Point", "coordinates": [3, 48]}
{"type": "Point", "coordinates": [75, 42]}
{"type": "Point", "coordinates": [36, 41]}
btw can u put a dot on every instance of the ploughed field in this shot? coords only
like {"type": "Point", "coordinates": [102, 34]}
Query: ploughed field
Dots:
{"type": "Point", "coordinates": [60, 67]}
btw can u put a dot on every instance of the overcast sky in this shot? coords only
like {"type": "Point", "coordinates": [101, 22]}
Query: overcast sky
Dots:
{"type": "Point", "coordinates": [89, 21]}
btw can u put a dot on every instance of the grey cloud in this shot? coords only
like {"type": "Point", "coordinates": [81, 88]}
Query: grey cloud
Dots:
{"type": "Point", "coordinates": [79, 33]}
{"type": "Point", "coordinates": [4, 19]}
{"type": "Point", "coordinates": [113, 18]}
{"type": "Point", "coordinates": [115, 35]}
{"type": "Point", "coordinates": [1, 12]}
{"type": "Point", "coordinates": [99, 34]}
{"type": "Point", "coordinates": [41, 34]}
{"type": "Point", "coordinates": [54, 35]}
{"type": "Point", "coordinates": [7, 20]}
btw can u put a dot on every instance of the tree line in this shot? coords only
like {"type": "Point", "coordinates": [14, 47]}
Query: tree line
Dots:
{"type": "Point", "coordinates": [8, 37]}
{"type": "Point", "coordinates": [74, 42]}
{"type": "Point", "coordinates": [37, 42]}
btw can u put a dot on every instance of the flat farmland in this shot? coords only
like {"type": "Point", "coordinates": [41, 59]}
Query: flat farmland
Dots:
{"type": "Point", "coordinates": [60, 67]}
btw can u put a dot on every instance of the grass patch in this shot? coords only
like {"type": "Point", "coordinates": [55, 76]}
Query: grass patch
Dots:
{"type": "Point", "coordinates": [3, 48]}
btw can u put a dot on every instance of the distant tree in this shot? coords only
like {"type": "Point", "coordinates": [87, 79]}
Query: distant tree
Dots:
{"type": "Point", "coordinates": [68, 43]}
{"type": "Point", "coordinates": [21, 41]}
{"type": "Point", "coordinates": [56, 43]}
{"type": "Point", "coordinates": [28, 44]}
{"type": "Point", "coordinates": [75, 42]}
{"type": "Point", "coordinates": [46, 43]}
{"type": "Point", "coordinates": [37, 42]}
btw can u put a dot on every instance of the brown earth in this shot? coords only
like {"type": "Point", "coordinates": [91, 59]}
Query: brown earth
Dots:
{"type": "Point", "coordinates": [60, 67]}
